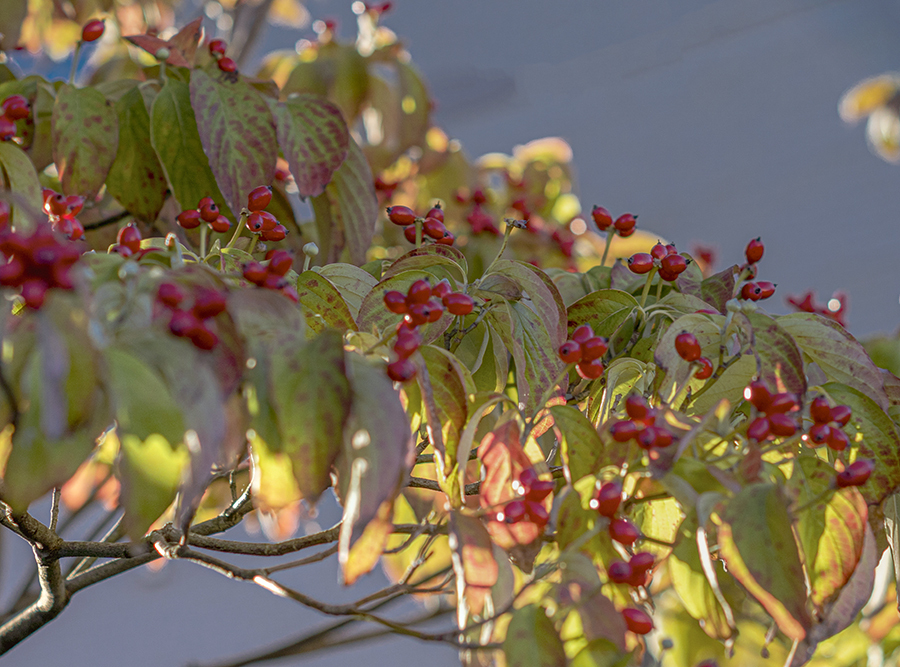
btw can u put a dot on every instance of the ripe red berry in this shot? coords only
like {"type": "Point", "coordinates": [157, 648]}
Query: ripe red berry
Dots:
{"type": "Point", "coordinates": [417, 314]}
{"type": "Point", "coordinates": [608, 498]}
{"type": "Point", "coordinates": [687, 346]}
{"type": "Point", "coordinates": [837, 439]}
{"type": "Point", "coordinates": [208, 303]}
{"type": "Point", "coordinates": [4, 214]}
{"type": "Point", "coordinates": [705, 369]}
{"type": "Point", "coordinates": [15, 107]}
{"type": "Point", "coordinates": [820, 410]}
{"type": "Point", "coordinates": [448, 239]}
{"type": "Point", "coordinates": [34, 292]}
{"type": "Point", "coordinates": [602, 218]}
{"type": "Point", "coordinates": [93, 30]}
{"type": "Point", "coordinates": [259, 198]}
{"type": "Point", "coordinates": [409, 233]}
{"type": "Point", "coordinates": [642, 561]}
{"type": "Point", "coordinates": [435, 309]}
{"type": "Point", "coordinates": [781, 425]}
{"type": "Point", "coordinates": [515, 511]}
{"type": "Point", "coordinates": [401, 370]}
{"type": "Point", "coordinates": [593, 348]}
{"type": "Point", "coordinates": [221, 224]}
{"type": "Point", "coordinates": [435, 212]}
{"type": "Point", "coordinates": [209, 212]}
{"type": "Point", "coordinates": [637, 621]}
{"type": "Point", "coordinates": [189, 219]}
{"type": "Point", "coordinates": [182, 322]}
{"type": "Point", "coordinates": [672, 265]}
{"type": "Point", "coordinates": [277, 233]}
{"type": "Point", "coordinates": [459, 304]}
{"type": "Point", "coordinates": [401, 215]}
{"type": "Point", "coordinates": [841, 414]}
{"type": "Point", "coordinates": [759, 429]}
{"type": "Point", "coordinates": [408, 341]}
{"type": "Point", "coordinates": [7, 128]}
{"type": "Point", "coordinates": [395, 301]}
{"type": "Point", "coordinates": [758, 395]}
{"type": "Point", "coordinates": [582, 333]}
{"type": "Point", "coordinates": [434, 228]}
{"type": "Point", "coordinates": [419, 292]}
{"type": "Point", "coordinates": [280, 262]}
{"type": "Point", "coordinates": [754, 251]}
{"type": "Point", "coordinates": [74, 204]}
{"type": "Point", "coordinates": [570, 352]}
{"type": "Point", "coordinates": [640, 263]}
{"type": "Point", "coordinates": [269, 221]}
{"type": "Point", "coordinates": [56, 204]}
{"type": "Point", "coordinates": [590, 370]}
{"type": "Point", "coordinates": [637, 407]}
{"type": "Point", "coordinates": [751, 292]}
{"type": "Point", "coordinates": [658, 251]}
{"type": "Point", "coordinates": [819, 434]}
{"type": "Point", "coordinates": [441, 289]}
{"type": "Point", "coordinates": [766, 289]}
{"type": "Point", "coordinates": [625, 223]}
{"type": "Point", "coordinates": [537, 513]}
{"type": "Point", "coordinates": [623, 431]}
{"type": "Point", "coordinates": [623, 531]}
{"type": "Point", "coordinates": [130, 237]}
{"type": "Point", "coordinates": [226, 64]}
{"type": "Point", "coordinates": [255, 273]}
{"type": "Point", "coordinates": [217, 48]}
{"type": "Point", "coordinates": [783, 403]}
{"type": "Point", "coordinates": [254, 222]}
{"type": "Point", "coordinates": [203, 338]}
{"type": "Point", "coordinates": [856, 474]}
{"type": "Point", "coordinates": [619, 572]}
{"type": "Point", "coordinates": [169, 294]}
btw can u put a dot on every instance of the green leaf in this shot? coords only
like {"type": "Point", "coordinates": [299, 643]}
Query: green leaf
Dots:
{"type": "Point", "coordinates": [323, 305]}
{"type": "Point", "coordinates": [314, 139]}
{"type": "Point", "coordinates": [374, 316]}
{"type": "Point", "coordinates": [757, 543]}
{"type": "Point", "coordinates": [85, 137]}
{"type": "Point", "coordinates": [532, 641]}
{"type": "Point", "coordinates": [691, 585]}
{"type": "Point", "coordinates": [875, 436]}
{"type": "Point", "coordinates": [136, 178]}
{"type": "Point", "coordinates": [605, 310]}
{"type": "Point", "coordinates": [174, 135]}
{"type": "Point", "coordinates": [401, 102]}
{"type": "Point", "coordinates": [623, 376]}
{"type": "Point", "coordinates": [483, 353]}
{"type": "Point", "coordinates": [600, 653]}
{"type": "Point", "coordinates": [351, 281]}
{"type": "Point", "coordinates": [840, 356]}
{"type": "Point", "coordinates": [348, 209]}
{"type": "Point", "coordinates": [12, 16]}
{"type": "Point", "coordinates": [780, 360]}
{"type": "Point", "coordinates": [582, 449]}
{"type": "Point", "coordinates": [312, 401]}
{"type": "Point", "coordinates": [151, 471]}
{"type": "Point", "coordinates": [430, 257]}
{"type": "Point", "coordinates": [237, 132]}
{"type": "Point", "coordinates": [540, 294]}
{"type": "Point", "coordinates": [274, 482]}
{"type": "Point", "coordinates": [20, 178]}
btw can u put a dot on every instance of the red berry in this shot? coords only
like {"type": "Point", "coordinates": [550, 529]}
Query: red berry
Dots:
{"type": "Point", "coordinates": [672, 264]}
{"type": "Point", "coordinates": [12, 272]}
{"type": "Point", "coordinates": [217, 47]}
{"type": "Point", "coordinates": [189, 219]}
{"type": "Point", "coordinates": [642, 561]}
{"type": "Point", "coordinates": [602, 218]}
{"type": "Point", "coordinates": [130, 237]}
{"type": "Point", "coordinates": [436, 212]}
{"type": "Point", "coordinates": [837, 440]}
{"type": "Point", "coordinates": [658, 251]}
{"type": "Point", "coordinates": [441, 289]}
{"type": "Point", "coordinates": [759, 429]}
{"type": "Point", "coordinates": [856, 474]}
{"type": "Point", "coordinates": [255, 273]}
{"type": "Point", "coordinates": [593, 348]}
{"type": "Point", "coordinates": [209, 212]}
{"type": "Point", "coordinates": [34, 291]}
{"type": "Point", "coordinates": [418, 314]}
{"type": "Point", "coordinates": [74, 204]}
{"type": "Point", "coordinates": [637, 407]}
{"type": "Point", "coordinates": [205, 201]}
{"type": "Point", "coordinates": [221, 224]}
{"type": "Point", "coordinates": [182, 322]}
{"type": "Point", "coordinates": [781, 425]}
{"type": "Point", "coordinates": [255, 222]}
{"type": "Point", "coordinates": [623, 531]}
{"type": "Point", "coordinates": [590, 370]}
{"type": "Point", "coordinates": [608, 498]}
{"type": "Point", "coordinates": [203, 338]}
{"type": "Point", "coordinates": [819, 434]}
{"type": "Point", "coordinates": [766, 289]}
{"type": "Point", "coordinates": [7, 129]}
{"type": "Point", "coordinates": [125, 251]}
{"type": "Point", "coordinates": [208, 303]}
{"type": "Point", "coordinates": [537, 513]}
{"type": "Point", "coordinates": [278, 233]}
{"type": "Point", "coordinates": [841, 414]}
{"type": "Point", "coordinates": [435, 309]}
{"type": "Point", "coordinates": [619, 572]}
{"type": "Point", "coordinates": [478, 197]}
{"type": "Point", "coordinates": [15, 107]}
{"type": "Point", "coordinates": [782, 403]}
{"type": "Point", "coordinates": [705, 369]}
{"type": "Point", "coordinates": [401, 215]}
{"type": "Point", "coordinates": [754, 251]}
{"type": "Point", "coordinates": [623, 431]}
{"type": "Point", "coordinates": [665, 274]}
{"type": "Point", "coordinates": [448, 239]}
{"type": "Point", "coordinates": [515, 511]}
{"type": "Point", "coordinates": [169, 294]}
{"type": "Point", "coordinates": [419, 292]}
{"type": "Point", "coordinates": [259, 198]}
{"type": "Point", "coordinates": [408, 341]}
{"type": "Point", "coordinates": [625, 223]}
{"type": "Point", "coordinates": [401, 370]}
{"type": "Point", "coordinates": [92, 30]}
{"type": "Point", "coordinates": [395, 301]}
{"type": "Point", "coordinates": [226, 64]}
{"type": "Point", "coordinates": [687, 346]}
{"type": "Point", "coordinates": [269, 221]}
{"type": "Point", "coordinates": [582, 333]}
{"type": "Point", "coordinates": [640, 263]}
{"type": "Point", "coordinates": [57, 204]}
{"type": "Point", "coordinates": [751, 292]}
{"type": "Point", "coordinates": [820, 410]}
{"type": "Point", "coordinates": [280, 262]}
{"type": "Point", "coordinates": [4, 214]}
{"type": "Point", "coordinates": [459, 304]}
{"type": "Point", "coordinates": [570, 352]}
{"type": "Point", "coordinates": [409, 233]}
{"type": "Point", "coordinates": [637, 621]}
{"type": "Point", "coordinates": [758, 395]}
{"type": "Point", "coordinates": [434, 228]}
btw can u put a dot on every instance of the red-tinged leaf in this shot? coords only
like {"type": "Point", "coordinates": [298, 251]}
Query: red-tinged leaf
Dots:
{"type": "Point", "coordinates": [718, 288]}
{"type": "Point", "coordinates": [314, 138]}
{"type": "Point", "coordinates": [840, 356]}
{"type": "Point", "coordinates": [830, 532]}
{"type": "Point", "coordinates": [152, 45]}
{"type": "Point", "coordinates": [780, 360]}
{"type": "Point", "coordinates": [604, 310]}
{"type": "Point", "coordinates": [473, 561]}
{"type": "Point", "coordinates": [540, 294]}
{"type": "Point", "coordinates": [311, 397]}
{"type": "Point", "coordinates": [348, 209]}
{"type": "Point", "coordinates": [237, 132]}
{"type": "Point", "coordinates": [374, 316]}
{"type": "Point", "coordinates": [323, 305]}
{"type": "Point", "coordinates": [378, 451]}
{"type": "Point", "coordinates": [366, 551]}
{"type": "Point", "coordinates": [352, 282]}
{"type": "Point", "coordinates": [174, 135]}
{"type": "Point", "coordinates": [188, 39]}
{"type": "Point", "coordinates": [431, 257]}
{"type": "Point", "coordinates": [757, 544]}
{"type": "Point", "coordinates": [85, 137]}
{"type": "Point", "coordinates": [876, 437]}
{"type": "Point", "coordinates": [136, 178]}
{"type": "Point", "coordinates": [532, 641]}
{"type": "Point", "coordinates": [580, 589]}
{"type": "Point", "coordinates": [21, 179]}
{"type": "Point", "coordinates": [582, 449]}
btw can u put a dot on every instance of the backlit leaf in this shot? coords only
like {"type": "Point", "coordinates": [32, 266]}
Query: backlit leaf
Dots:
{"type": "Point", "coordinates": [541, 296]}
{"type": "Point", "coordinates": [532, 641]}
{"type": "Point", "coordinates": [20, 177]}
{"type": "Point", "coordinates": [430, 257]}
{"type": "Point", "coordinates": [718, 289]}
{"type": "Point", "coordinates": [473, 560]}
{"type": "Point", "coordinates": [151, 471]}
{"type": "Point", "coordinates": [780, 360]}
{"type": "Point", "coordinates": [374, 315]}
{"type": "Point", "coordinates": [582, 450]}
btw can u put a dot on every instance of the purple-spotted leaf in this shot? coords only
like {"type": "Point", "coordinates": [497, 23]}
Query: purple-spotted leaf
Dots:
{"type": "Point", "coordinates": [718, 288]}
{"type": "Point", "coordinates": [237, 132]}
{"type": "Point", "coordinates": [374, 315]}
{"type": "Point", "coordinates": [689, 281]}
{"type": "Point", "coordinates": [840, 356]}
{"type": "Point", "coordinates": [311, 396]}
{"type": "Point", "coordinates": [876, 437]}
{"type": "Point", "coordinates": [539, 294]}
{"type": "Point", "coordinates": [757, 543]}
{"type": "Point", "coordinates": [780, 360]}
{"type": "Point", "coordinates": [348, 209]}
{"type": "Point", "coordinates": [338, 71]}
{"type": "Point", "coordinates": [314, 138]}
{"type": "Point", "coordinates": [473, 561]}
{"type": "Point", "coordinates": [605, 310]}
{"type": "Point", "coordinates": [377, 454]}
{"type": "Point", "coordinates": [431, 257]}
{"type": "Point", "coordinates": [21, 179]}
{"type": "Point", "coordinates": [323, 305]}
{"type": "Point", "coordinates": [174, 135]}
{"type": "Point", "coordinates": [532, 641]}
{"type": "Point", "coordinates": [831, 531]}
{"type": "Point", "coordinates": [582, 449]}
{"type": "Point", "coordinates": [85, 137]}
{"type": "Point", "coordinates": [352, 282]}
{"type": "Point", "coordinates": [136, 178]}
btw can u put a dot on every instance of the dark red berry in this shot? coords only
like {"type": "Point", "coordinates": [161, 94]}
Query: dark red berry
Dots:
{"type": "Point", "coordinates": [637, 621]}
{"type": "Point", "coordinates": [766, 289]}
{"type": "Point", "coordinates": [758, 395]}
{"type": "Point", "coordinates": [221, 224]}
{"type": "Point", "coordinates": [259, 198]}
{"type": "Point", "coordinates": [642, 561]}
{"type": "Point", "coordinates": [203, 338]}
{"type": "Point", "coordinates": [255, 222]}
{"type": "Point", "coordinates": [658, 251]}
{"type": "Point", "coordinates": [687, 346]}
{"type": "Point", "coordinates": [856, 474]}
{"type": "Point", "coordinates": [819, 434]}
{"type": "Point", "coordinates": [570, 352]}
{"type": "Point", "coordinates": [34, 292]}
{"type": "Point", "coordinates": [277, 233]}
{"type": "Point", "coordinates": [217, 47]}
{"type": "Point", "coordinates": [208, 303]}
{"type": "Point", "coordinates": [781, 425]}
{"type": "Point", "coordinates": [672, 264]}
{"type": "Point", "coordinates": [408, 341]}
{"type": "Point", "coordinates": [447, 240]}
{"type": "Point", "coordinates": [841, 414]}
{"type": "Point", "coordinates": [15, 107]}
{"type": "Point", "coordinates": [280, 262]}
{"type": "Point", "coordinates": [182, 322]}
{"type": "Point", "coordinates": [401, 215]}
{"type": "Point", "coordinates": [515, 511]}
{"type": "Point", "coordinates": [226, 64]}
{"type": "Point", "coordinates": [593, 348]}
{"type": "Point", "coordinates": [255, 273]}
{"type": "Point", "coordinates": [637, 407]}
{"type": "Point", "coordinates": [130, 237]}
{"type": "Point", "coordinates": [602, 218]}
{"type": "Point", "coordinates": [436, 212]}
{"type": "Point", "coordinates": [623, 531]}
{"type": "Point", "coordinates": [459, 304]}
{"type": "Point", "coordinates": [189, 219]}
{"type": "Point", "coordinates": [401, 370]}
{"type": "Point", "coordinates": [751, 292]}
{"type": "Point", "coordinates": [417, 314]}
{"type": "Point", "coordinates": [441, 289]}
{"type": "Point", "coordinates": [582, 333]}
{"type": "Point", "coordinates": [820, 410]}
{"type": "Point", "coordinates": [269, 221]}
{"type": "Point", "coordinates": [209, 212]}
{"type": "Point", "coordinates": [93, 30]}
{"type": "Point", "coordinates": [205, 201]}
{"type": "Point", "coordinates": [608, 498]}
{"type": "Point", "coordinates": [434, 228]}
{"type": "Point", "coordinates": [169, 294]}
{"type": "Point", "coordinates": [783, 403]}
{"type": "Point", "coordinates": [435, 309]}
{"type": "Point", "coordinates": [759, 429]}
{"type": "Point", "coordinates": [640, 263]}
{"type": "Point", "coordinates": [754, 251]}
{"type": "Point", "coordinates": [837, 439]}
{"type": "Point", "coordinates": [419, 292]}
{"type": "Point", "coordinates": [74, 204]}
{"type": "Point", "coordinates": [590, 370]}
{"type": "Point", "coordinates": [395, 301]}
{"type": "Point", "coordinates": [705, 369]}
{"type": "Point", "coordinates": [57, 204]}
{"type": "Point", "coordinates": [625, 223]}
{"type": "Point", "coordinates": [619, 572]}
{"type": "Point", "coordinates": [623, 431]}
{"type": "Point", "coordinates": [537, 513]}
{"type": "Point", "coordinates": [409, 233]}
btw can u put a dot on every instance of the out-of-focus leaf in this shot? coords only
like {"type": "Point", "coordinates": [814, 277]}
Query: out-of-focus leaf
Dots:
{"type": "Point", "coordinates": [274, 482]}
{"type": "Point", "coordinates": [323, 305]}
{"type": "Point", "coordinates": [85, 137]}
{"type": "Point", "coordinates": [692, 586]}
{"type": "Point", "coordinates": [314, 138]}
{"type": "Point", "coordinates": [582, 449]}
{"type": "Point", "coordinates": [600, 653]}
{"type": "Point", "coordinates": [473, 561]}
{"type": "Point", "coordinates": [483, 353]}
{"type": "Point", "coordinates": [20, 177]}
{"type": "Point", "coordinates": [532, 641]}
{"type": "Point", "coordinates": [780, 360]}
{"type": "Point", "coordinates": [187, 40]}
{"type": "Point", "coordinates": [237, 132]}
{"type": "Point", "coordinates": [136, 178]}
{"type": "Point", "coordinates": [367, 550]}
{"type": "Point", "coordinates": [152, 44]}
{"type": "Point", "coordinates": [12, 15]}
{"type": "Point", "coordinates": [757, 543]}
{"type": "Point", "coordinates": [337, 71]}
{"type": "Point", "coordinates": [151, 470]}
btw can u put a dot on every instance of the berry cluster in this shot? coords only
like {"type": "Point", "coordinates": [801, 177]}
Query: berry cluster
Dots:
{"type": "Point", "coordinates": [806, 304]}
{"type": "Point", "coordinates": [196, 323]}
{"type": "Point", "coordinates": [421, 304]}
{"type": "Point", "coordinates": [432, 224]}
{"type": "Point", "coordinates": [634, 572]}
{"type": "Point", "coordinates": [530, 505]}
{"type": "Point", "coordinates": [217, 48]}
{"type": "Point", "coordinates": [478, 218]}
{"type": "Point", "coordinates": [272, 275]}
{"type": "Point", "coordinates": [775, 420]}
{"type": "Point", "coordinates": [586, 350]}
{"type": "Point", "coordinates": [644, 425]}
{"type": "Point", "coordinates": [607, 501]}
{"type": "Point", "coordinates": [13, 108]}
{"type": "Point", "coordinates": [624, 225]}
{"type": "Point", "coordinates": [688, 348]}
{"type": "Point", "coordinates": [93, 30]}
{"type": "Point", "coordinates": [827, 424]}
{"type": "Point", "coordinates": [759, 290]}
{"type": "Point", "coordinates": [207, 211]}
{"type": "Point", "coordinates": [666, 258]}
{"type": "Point", "coordinates": [260, 221]}
{"type": "Point", "coordinates": [36, 263]}
{"type": "Point", "coordinates": [62, 211]}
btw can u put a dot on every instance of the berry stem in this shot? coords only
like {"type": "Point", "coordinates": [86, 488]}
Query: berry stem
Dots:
{"type": "Point", "coordinates": [609, 234]}
{"type": "Point", "coordinates": [75, 58]}
{"type": "Point", "coordinates": [240, 228]}
{"type": "Point", "coordinates": [419, 232]}
{"type": "Point", "coordinates": [203, 232]}
{"type": "Point", "coordinates": [659, 287]}
{"type": "Point", "coordinates": [647, 286]}
{"type": "Point", "coordinates": [503, 245]}
{"type": "Point", "coordinates": [253, 241]}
